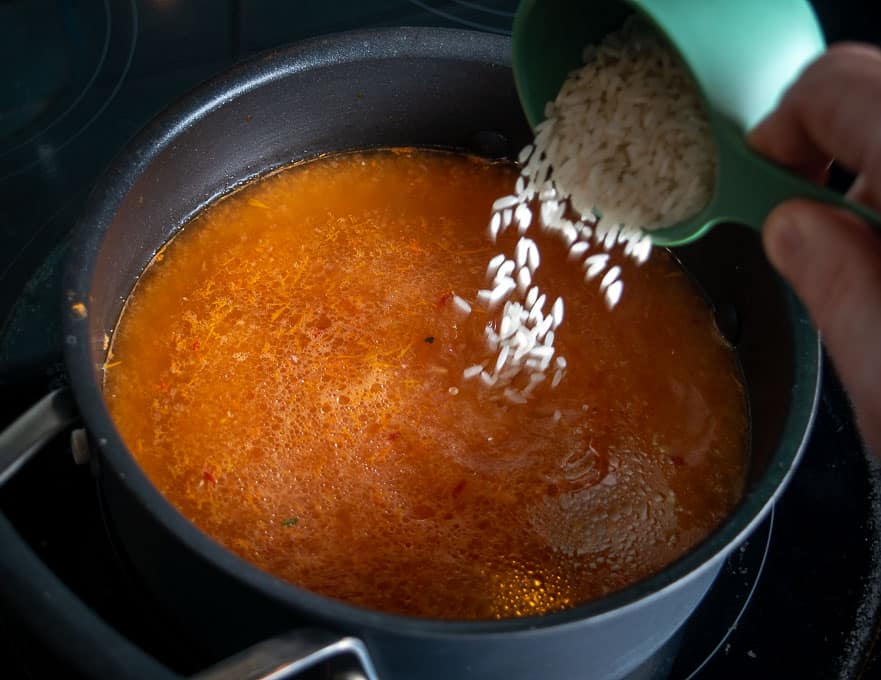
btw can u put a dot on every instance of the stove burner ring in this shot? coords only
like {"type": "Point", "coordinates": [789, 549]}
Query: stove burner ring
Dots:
{"type": "Point", "coordinates": [503, 28]}
{"type": "Point", "coordinates": [88, 103]}
{"type": "Point", "coordinates": [730, 579]}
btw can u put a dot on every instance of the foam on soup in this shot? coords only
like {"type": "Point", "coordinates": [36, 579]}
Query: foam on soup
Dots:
{"type": "Point", "coordinates": [288, 372]}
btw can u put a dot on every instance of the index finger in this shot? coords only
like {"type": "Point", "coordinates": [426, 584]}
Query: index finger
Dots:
{"type": "Point", "coordinates": [832, 111]}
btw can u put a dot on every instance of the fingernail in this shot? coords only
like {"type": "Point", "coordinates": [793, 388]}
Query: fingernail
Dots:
{"type": "Point", "coordinates": [783, 239]}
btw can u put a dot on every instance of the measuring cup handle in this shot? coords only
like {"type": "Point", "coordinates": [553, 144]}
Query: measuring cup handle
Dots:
{"type": "Point", "coordinates": [754, 186]}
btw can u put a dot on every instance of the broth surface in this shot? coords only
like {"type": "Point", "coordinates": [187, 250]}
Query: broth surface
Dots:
{"type": "Point", "coordinates": [288, 373]}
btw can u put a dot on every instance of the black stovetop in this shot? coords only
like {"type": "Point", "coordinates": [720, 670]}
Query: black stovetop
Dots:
{"type": "Point", "coordinates": [801, 598]}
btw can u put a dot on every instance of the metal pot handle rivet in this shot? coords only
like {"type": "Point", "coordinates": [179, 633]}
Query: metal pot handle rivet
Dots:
{"type": "Point", "coordinates": [79, 446]}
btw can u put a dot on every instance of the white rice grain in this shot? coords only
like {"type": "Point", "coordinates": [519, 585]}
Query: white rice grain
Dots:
{"type": "Point", "coordinates": [472, 371]}
{"type": "Point", "coordinates": [613, 293]}
{"type": "Point", "coordinates": [462, 305]}
{"type": "Point", "coordinates": [544, 326]}
{"type": "Point", "coordinates": [502, 358]}
{"type": "Point", "coordinates": [578, 249]}
{"type": "Point", "coordinates": [594, 265]}
{"type": "Point", "coordinates": [532, 296]}
{"type": "Point", "coordinates": [541, 352]}
{"type": "Point", "coordinates": [524, 279]}
{"type": "Point", "coordinates": [501, 291]}
{"type": "Point", "coordinates": [557, 312]}
{"type": "Point", "coordinates": [611, 237]}
{"type": "Point", "coordinates": [523, 217]}
{"type": "Point", "coordinates": [520, 251]}
{"type": "Point", "coordinates": [610, 277]}
{"type": "Point", "coordinates": [505, 202]}
{"type": "Point", "coordinates": [533, 259]}
{"type": "Point", "coordinates": [495, 226]}
{"type": "Point", "coordinates": [504, 272]}
{"type": "Point", "coordinates": [494, 265]}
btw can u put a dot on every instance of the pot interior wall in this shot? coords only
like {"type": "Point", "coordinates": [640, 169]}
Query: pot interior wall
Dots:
{"type": "Point", "coordinates": [756, 314]}
{"type": "Point", "coordinates": [291, 116]}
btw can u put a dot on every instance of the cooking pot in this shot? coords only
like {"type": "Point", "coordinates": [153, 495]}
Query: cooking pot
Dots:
{"type": "Point", "coordinates": [388, 87]}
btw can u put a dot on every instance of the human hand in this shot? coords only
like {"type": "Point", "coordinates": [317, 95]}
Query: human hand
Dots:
{"type": "Point", "coordinates": [831, 258]}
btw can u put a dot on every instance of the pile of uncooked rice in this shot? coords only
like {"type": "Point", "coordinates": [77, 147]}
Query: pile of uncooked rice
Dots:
{"type": "Point", "coordinates": [624, 148]}
{"type": "Point", "coordinates": [627, 136]}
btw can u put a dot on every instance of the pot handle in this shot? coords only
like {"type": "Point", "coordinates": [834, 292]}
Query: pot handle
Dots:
{"type": "Point", "coordinates": [93, 647]}
{"type": "Point", "coordinates": [33, 429]}
{"type": "Point", "coordinates": [287, 655]}
{"type": "Point", "coordinates": [56, 613]}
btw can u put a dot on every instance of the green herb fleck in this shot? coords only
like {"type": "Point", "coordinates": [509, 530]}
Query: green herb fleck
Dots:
{"type": "Point", "coordinates": [290, 522]}
{"type": "Point", "coordinates": [429, 339]}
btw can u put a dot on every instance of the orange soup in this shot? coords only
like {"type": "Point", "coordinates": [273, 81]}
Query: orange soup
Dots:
{"type": "Point", "coordinates": [289, 373]}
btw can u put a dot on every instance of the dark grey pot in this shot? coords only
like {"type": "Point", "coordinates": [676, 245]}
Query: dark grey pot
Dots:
{"type": "Point", "coordinates": [385, 87]}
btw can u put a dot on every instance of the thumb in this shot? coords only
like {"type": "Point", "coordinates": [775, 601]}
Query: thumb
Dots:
{"type": "Point", "coordinates": [833, 261]}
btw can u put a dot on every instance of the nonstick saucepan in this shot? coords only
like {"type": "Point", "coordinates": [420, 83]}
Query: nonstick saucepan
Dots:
{"type": "Point", "coordinates": [388, 87]}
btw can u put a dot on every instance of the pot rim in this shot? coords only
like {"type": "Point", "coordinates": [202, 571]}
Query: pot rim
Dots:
{"type": "Point", "coordinates": [314, 54]}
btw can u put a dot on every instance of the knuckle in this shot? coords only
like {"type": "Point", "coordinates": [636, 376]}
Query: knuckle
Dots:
{"type": "Point", "coordinates": [832, 293]}
{"type": "Point", "coordinates": [839, 287]}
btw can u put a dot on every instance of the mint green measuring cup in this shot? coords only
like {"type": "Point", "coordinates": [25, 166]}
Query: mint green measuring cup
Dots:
{"type": "Point", "coordinates": [743, 55]}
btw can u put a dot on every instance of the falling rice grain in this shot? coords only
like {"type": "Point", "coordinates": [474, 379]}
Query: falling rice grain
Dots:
{"type": "Point", "coordinates": [532, 296]}
{"type": "Point", "coordinates": [494, 265]}
{"type": "Point", "coordinates": [610, 277]}
{"type": "Point", "coordinates": [486, 379]}
{"type": "Point", "coordinates": [594, 265]}
{"type": "Point", "coordinates": [569, 232]}
{"type": "Point", "coordinates": [578, 249]}
{"type": "Point", "coordinates": [523, 216]}
{"type": "Point", "coordinates": [613, 293]}
{"type": "Point", "coordinates": [505, 202]}
{"type": "Point", "coordinates": [502, 358]}
{"type": "Point", "coordinates": [520, 251]}
{"type": "Point", "coordinates": [611, 237]}
{"type": "Point", "coordinates": [495, 224]}
{"type": "Point", "coordinates": [472, 371]}
{"type": "Point", "coordinates": [557, 312]}
{"type": "Point", "coordinates": [544, 326]}
{"type": "Point", "coordinates": [524, 279]}
{"type": "Point", "coordinates": [501, 291]}
{"type": "Point", "coordinates": [532, 257]}
{"type": "Point", "coordinates": [504, 271]}
{"type": "Point", "coordinates": [462, 305]}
